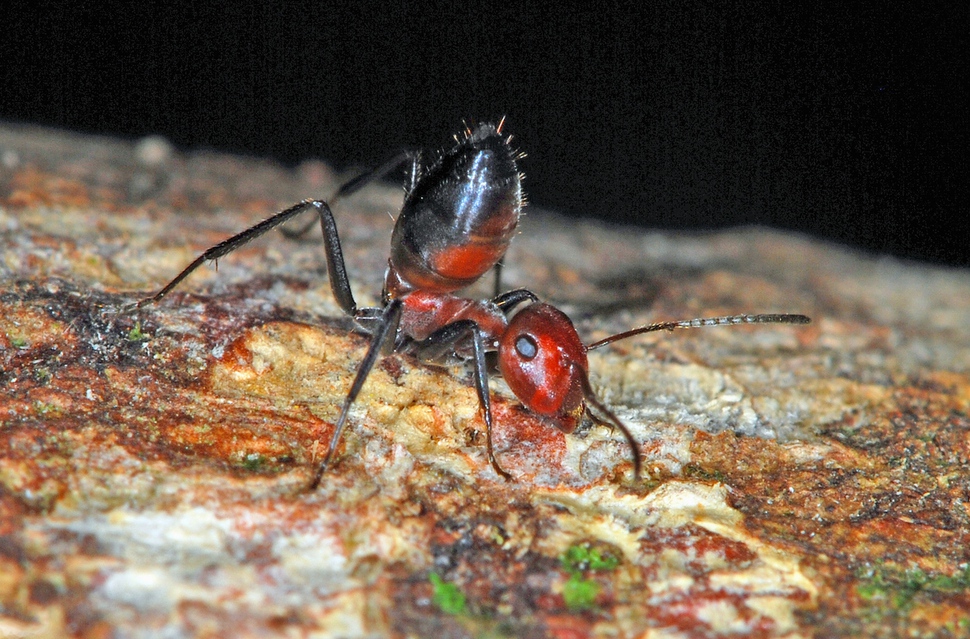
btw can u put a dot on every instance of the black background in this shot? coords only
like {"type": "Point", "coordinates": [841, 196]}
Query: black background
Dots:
{"type": "Point", "coordinates": [847, 121]}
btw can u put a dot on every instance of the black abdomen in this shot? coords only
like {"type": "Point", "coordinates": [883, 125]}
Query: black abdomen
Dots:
{"type": "Point", "coordinates": [459, 219]}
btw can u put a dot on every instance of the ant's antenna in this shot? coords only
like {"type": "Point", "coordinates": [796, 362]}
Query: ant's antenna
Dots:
{"type": "Point", "coordinates": [727, 320]}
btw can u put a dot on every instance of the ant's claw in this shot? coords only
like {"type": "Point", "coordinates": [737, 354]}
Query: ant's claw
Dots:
{"type": "Point", "coordinates": [318, 475]}
{"type": "Point", "coordinates": [507, 476]}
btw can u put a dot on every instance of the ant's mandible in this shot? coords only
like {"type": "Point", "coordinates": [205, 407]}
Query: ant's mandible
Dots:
{"type": "Point", "coordinates": [460, 212]}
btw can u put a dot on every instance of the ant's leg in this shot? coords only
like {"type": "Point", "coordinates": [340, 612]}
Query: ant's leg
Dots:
{"type": "Point", "coordinates": [392, 317]}
{"type": "Point", "coordinates": [369, 319]}
{"type": "Point", "coordinates": [443, 340]}
{"type": "Point", "coordinates": [339, 282]}
{"type": "Point", "coordinates": [376, 173]}
{"type": "Point", "coordinates": [610, 421]}
{"type": "Point", "coordinates": [510, 299]}
{"type": "Point", "coordinates": [228, 246]}
{"type": "Point", "coordinates": [352, 186]}
{"type": "Point", "coordinates": [337, 270]}
{"type": "Point", "coordinates": [481, 385]}
{"type": "Point", "coordinates": [497, 291]}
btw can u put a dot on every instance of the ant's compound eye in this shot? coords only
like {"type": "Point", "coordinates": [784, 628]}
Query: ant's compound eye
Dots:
{"type": "Point", "coordinates": [526, 347]}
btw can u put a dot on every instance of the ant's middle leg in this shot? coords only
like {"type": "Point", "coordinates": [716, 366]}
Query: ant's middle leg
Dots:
{"type": "Point", "coordinates": [497, 290]}
{"type": "Point", "coordinates": [387, 327]}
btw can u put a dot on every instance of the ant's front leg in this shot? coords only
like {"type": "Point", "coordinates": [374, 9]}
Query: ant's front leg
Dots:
{"type": "Point", "coordinates": [445, 340]}
{"type": "Point", "coordinates": [609, 419]}
{"type": "Point", "coordinates": [507, 301]}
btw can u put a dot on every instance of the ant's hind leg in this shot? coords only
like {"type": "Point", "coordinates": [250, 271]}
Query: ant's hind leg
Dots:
{"type": "Point", "coordinates": [339, 281]}
{"type": "Point", "coordinates": [228, 246]}
{"type": "Point", "coordinates": [357, 183]}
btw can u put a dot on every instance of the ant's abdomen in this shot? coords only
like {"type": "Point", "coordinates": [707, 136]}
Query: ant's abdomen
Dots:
{"type": "Point", "coordinates": [458, 221]}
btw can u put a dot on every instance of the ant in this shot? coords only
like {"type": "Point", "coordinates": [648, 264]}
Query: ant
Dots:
{"type": "Point", "coordinates": [460, 212]}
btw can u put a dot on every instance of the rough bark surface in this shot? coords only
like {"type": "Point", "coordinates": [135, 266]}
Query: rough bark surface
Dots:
{"type": "Point", "coordinates": [153, 465]}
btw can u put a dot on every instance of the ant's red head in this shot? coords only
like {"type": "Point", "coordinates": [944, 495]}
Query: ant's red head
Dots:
{"type": "Point", "coordinates": [544, 363]}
